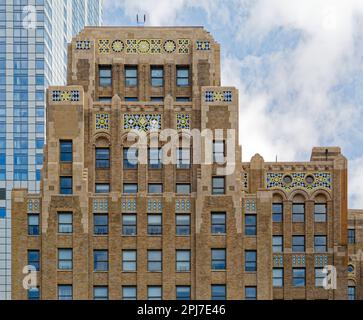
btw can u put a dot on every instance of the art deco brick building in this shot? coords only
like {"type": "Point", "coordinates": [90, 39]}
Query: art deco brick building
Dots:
{"type": "Point", "coordinates": [104, 227]}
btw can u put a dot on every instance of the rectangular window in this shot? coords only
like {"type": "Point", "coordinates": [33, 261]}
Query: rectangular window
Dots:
{"type": "Point", "coordinates": [65, 259]}
{"type": "Point", "coordinates": [130, 158]}
{"type": "Point", "coordinates": [320, 211]}
{"type": "Point", "coordinates": [129, 260]}
{"type": "Point", "coordinates": [65, 222]}
{"type": "Point", "coordinates": [102, 188]}
{"type": "Point", "coordinates": [298, 243]}
{"type": "Point", "coordinates": [351, 293]}
{"type": "Point", "coordinates": [154, 224]}
{"type": "Point", "coordinates": [129, 293]}
{"type": "Point", "coordinates": [157, 76]}
{"type": "Point", "coordinates": [182, 76]}
{"type": "Point", "coordinates": [250, 293]}
{"type": "Point", "coordinates": [319, 277]}
{"type": "Point", "coordinates": [182, 224]}
{"type": "Point", "coordinates": [155, 158]}
{"type": "Point", "coordinates": [34, 259]}
{"type": "Point", "coordinates": [218, 223]}
{"type": "Point", "coordinates": [129, 226]}
{"type": "Point", "coordinates": [33, 224]}
{"type": "Point", "coordinates": [182, 260]}
{"type": "Point", "coordinates": [155, 188]}
{"type": "Point", "coordinates": [100, 224]}
{"type": "Point", "coordinates": [182, 292]}
{"type": "Point", "coordinates": [154, 293]}
{"type": "Point", "coordinates": [298, 277]}
{"type": "Point", "coordinates": [102, 158]}
{"type": "Point", "coordinates": [183, 158]}
{"type": "Point", "coordinates": [183, 188]}
{"type": "Point", "coordinates": [351, 236]}
{"type": "Point", "coordinates": [157, 99]}
{"type": "Point", "coordinates": [130, 188]}
{"type": "Point", "coordinates": [218, 151]}
{"type": "Point", "coordinates": [278, 277]}
{"type": "Point", "coordinates": [65, 292]}
{"type": "Point", "coordinates": [320, 243]}
{"type": "Point", "coordinates": [250, 225]}
{"type": "Point", "coordinates": [66, 185]}
{"type": "Point", "coordinates": [219, 259]}
{"type": "Point", "coordinates": [298, 212]}
{"type": "Point", "coordinates": [277, 210]}
{"type": "Point", "coordinates": [105, 73]}
{"type": "Point", "coordinates": [154, 260]}
{"type": "Point", "coordinates": [66, 150]}
{"type": "Point", "coordinates": [277, 244]}
{"type": "Point", "coordinates": [218, 291]}
{"type": "Point", "coordinates": [131, 99]}
{"type": "Point", "coordinates": [100, 259]}
{"type": "Point", "coordinates": [131, 76]}
{"type": "Point", "coordinates": [218, 185]}
{"type": "Point", "coordinates": [34, 294]}
{"type": "Point", "coordinates": [250, 261]}
{"type": "Point", "coordinates": [182, 99]}
{"type": "Point", "coordinates": [100, 293]}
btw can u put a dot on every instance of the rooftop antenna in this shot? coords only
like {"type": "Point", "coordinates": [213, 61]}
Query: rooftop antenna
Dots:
{"type": "Point", "coordinates": [326, 154]}
{"type": "Point", "coordinates": [276, 158]}
{"type": "Point", "coordinates": [141, 21]}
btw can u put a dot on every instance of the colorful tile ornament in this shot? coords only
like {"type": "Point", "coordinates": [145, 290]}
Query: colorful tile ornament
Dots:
{"type": "Point", "coordinates": [71, 96]}
{"type": "Point", "coordinates": [104, 46]}
{"type": "Point", "coordinates": [128, 205]}
{"type": "Point", "coordinates": [322, 180]}
{"type": "Point", "coordinates": [202, 45]}
{"type": "Point", "coordinates": [169, 46]}
{"type": "Point", "coordinates": [102, 121]}
{"type": "Point", "coordinates": [83, 45]}
{"type": "Point", "coordinates": [143, 122]}
{"type": "Point", "coordinates": [155, 46]}
{"type": "Point", "coordinates": [131, 46]}
{"type": "Point", "coordinates": [183, 121]}
{"type": "Point", "coordinates": [100, 205]}
{"type": "Point", "coordinates": [218, 96]}
{"type": "Point", "coordinates": [117, 46]}
{"type": "Point", "coordinates": [143, 46]}
{"type": "Point", "coordinates": [184, 46]}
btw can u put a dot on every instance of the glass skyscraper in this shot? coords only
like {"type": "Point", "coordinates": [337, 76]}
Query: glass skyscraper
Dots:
{"type": "Point", "coordinates": [33, 55]}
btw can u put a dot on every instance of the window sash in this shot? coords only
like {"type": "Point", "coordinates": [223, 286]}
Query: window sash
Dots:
{"type": "Point", "coordinates": [182, 224]}
{"type": "Point", "coordinates": [100, 224]}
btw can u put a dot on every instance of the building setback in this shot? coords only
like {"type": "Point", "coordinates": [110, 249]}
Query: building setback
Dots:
{"type": "Point", "coordinates": [105, 228]}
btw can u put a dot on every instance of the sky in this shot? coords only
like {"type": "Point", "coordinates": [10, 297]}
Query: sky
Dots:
{"type": "Point", "coordinates": [298, 66]}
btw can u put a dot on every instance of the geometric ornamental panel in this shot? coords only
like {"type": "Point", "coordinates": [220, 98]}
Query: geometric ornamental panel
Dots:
{"type": "Point", "coordinates": [65, 96]}
{"type": "Point", "coordinates": [183, 121]}
{"type": "Point", "coordinates": [202, 45]}
{"type": "Point", "coordinates": [142, 122]}
{"type": "Point", "coordinates": [218, 96]}
{"type": "Point", "coordinates": [102, 121]}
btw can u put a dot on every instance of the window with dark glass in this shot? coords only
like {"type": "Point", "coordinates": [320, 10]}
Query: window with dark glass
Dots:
{"type": "Point", "coordinates": [65, 259]}
{"type": "Point", "coordinates": [298, 212]}
{"type": "Point", "coordinates": [129, 227]}
{"type": "Point", "coordinates": [183, 158]}
{"type": "Point", "coordinates": [182, 76]}
{"type": "Point", "coordinates": [298, 277]}
{"type": "Point", "coordinates": [250, 225]}
{"type": "Point", "coordinates": [182, 224]}
{"type": "Point", "coordinates": [277, 244]}
{"type": "Point", "coordinates": [105, 99]}
{"type": "Point", "coordinates": [218, 151]}
{"type": "Point", "coordinates": [34, 259]}
{"type": "Point", "coordinates": [320, 243]}
{"type": "Point", "coordinates": [131, 99]}
{"type": "Point", "coordinates": [100, 259]}
{"type": "Point", "coordinates": [34, 293]}
{"type": "Point", "coordinates": [66, 150]}
{"type": "Point", "coordinates": [320, 212]}
{"type": "Point", "coordinates": [154, 260]}
{"type": "Point", "coordinates": [218, 259]}
{"type": "Point", "coordinates": [155, 158]}
{"type": "Point", "coordinates": [277, 277]}
{"type": "Point", "coordinates": [129, 293]}
{"type": "Point", "coordinates": [100, 293]}
{"type": "Point", "coordinates": [131, 76]}
{"type": "Point", "coordinates": [102, 187]}
{"type": "Point", "coordinates": [156, 99]}
{"type": "Point", "coordinates": [66, 185]}
{"type": "Point", "coordinates": [33, 224]}
{"type": "Point", "coordinates": [319, 277]}
{"type": "Point", "coordinates": [277, 211]}
{"type": "Point", "coordinates": [218, 291]}
{"type": "Point", "coordinates": [65, 292]}
{"type": "Point", "coordinates": [105, 73]}
{"type": "Point", "coordinates": [157, 76]}
{"type": "Point", "coordinates": [182, 99]}
{"type": "Point", "coordinates": [250, 260]}
{"type": "Point", "coordinates": [155, 188]}
{"type": "Point", "coordinates": [130, 158]}
{"type": "Point", "coordinates": [100, 224]}
{"type": "Point", "coordinates": [154, 224]}
{"type": "Point", "coordinates": [102, 158]}
{"type": "Point", "coordinates": [218, 185]}
{"type": "Point", "coordinates": [65, 222]}
{"type": "Point", "coordinates": [298, 243]}
{"type": "Point", "coordinates": [154, 293]}
{"type": "Point", "coordinates": [129, 258]}
{"type": "Point", "coordinates": [183, 188]}
{"type": "Point", "coordinates": [130, 188]}
{"type": "Point", "coordinates": [182, 260]}
{"type": "Point", "coordinates": [351, 236]}
{"type": "Point", "coordinates": [182, 292]}
{"type": "Point", "coordinates": [250, 293]}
